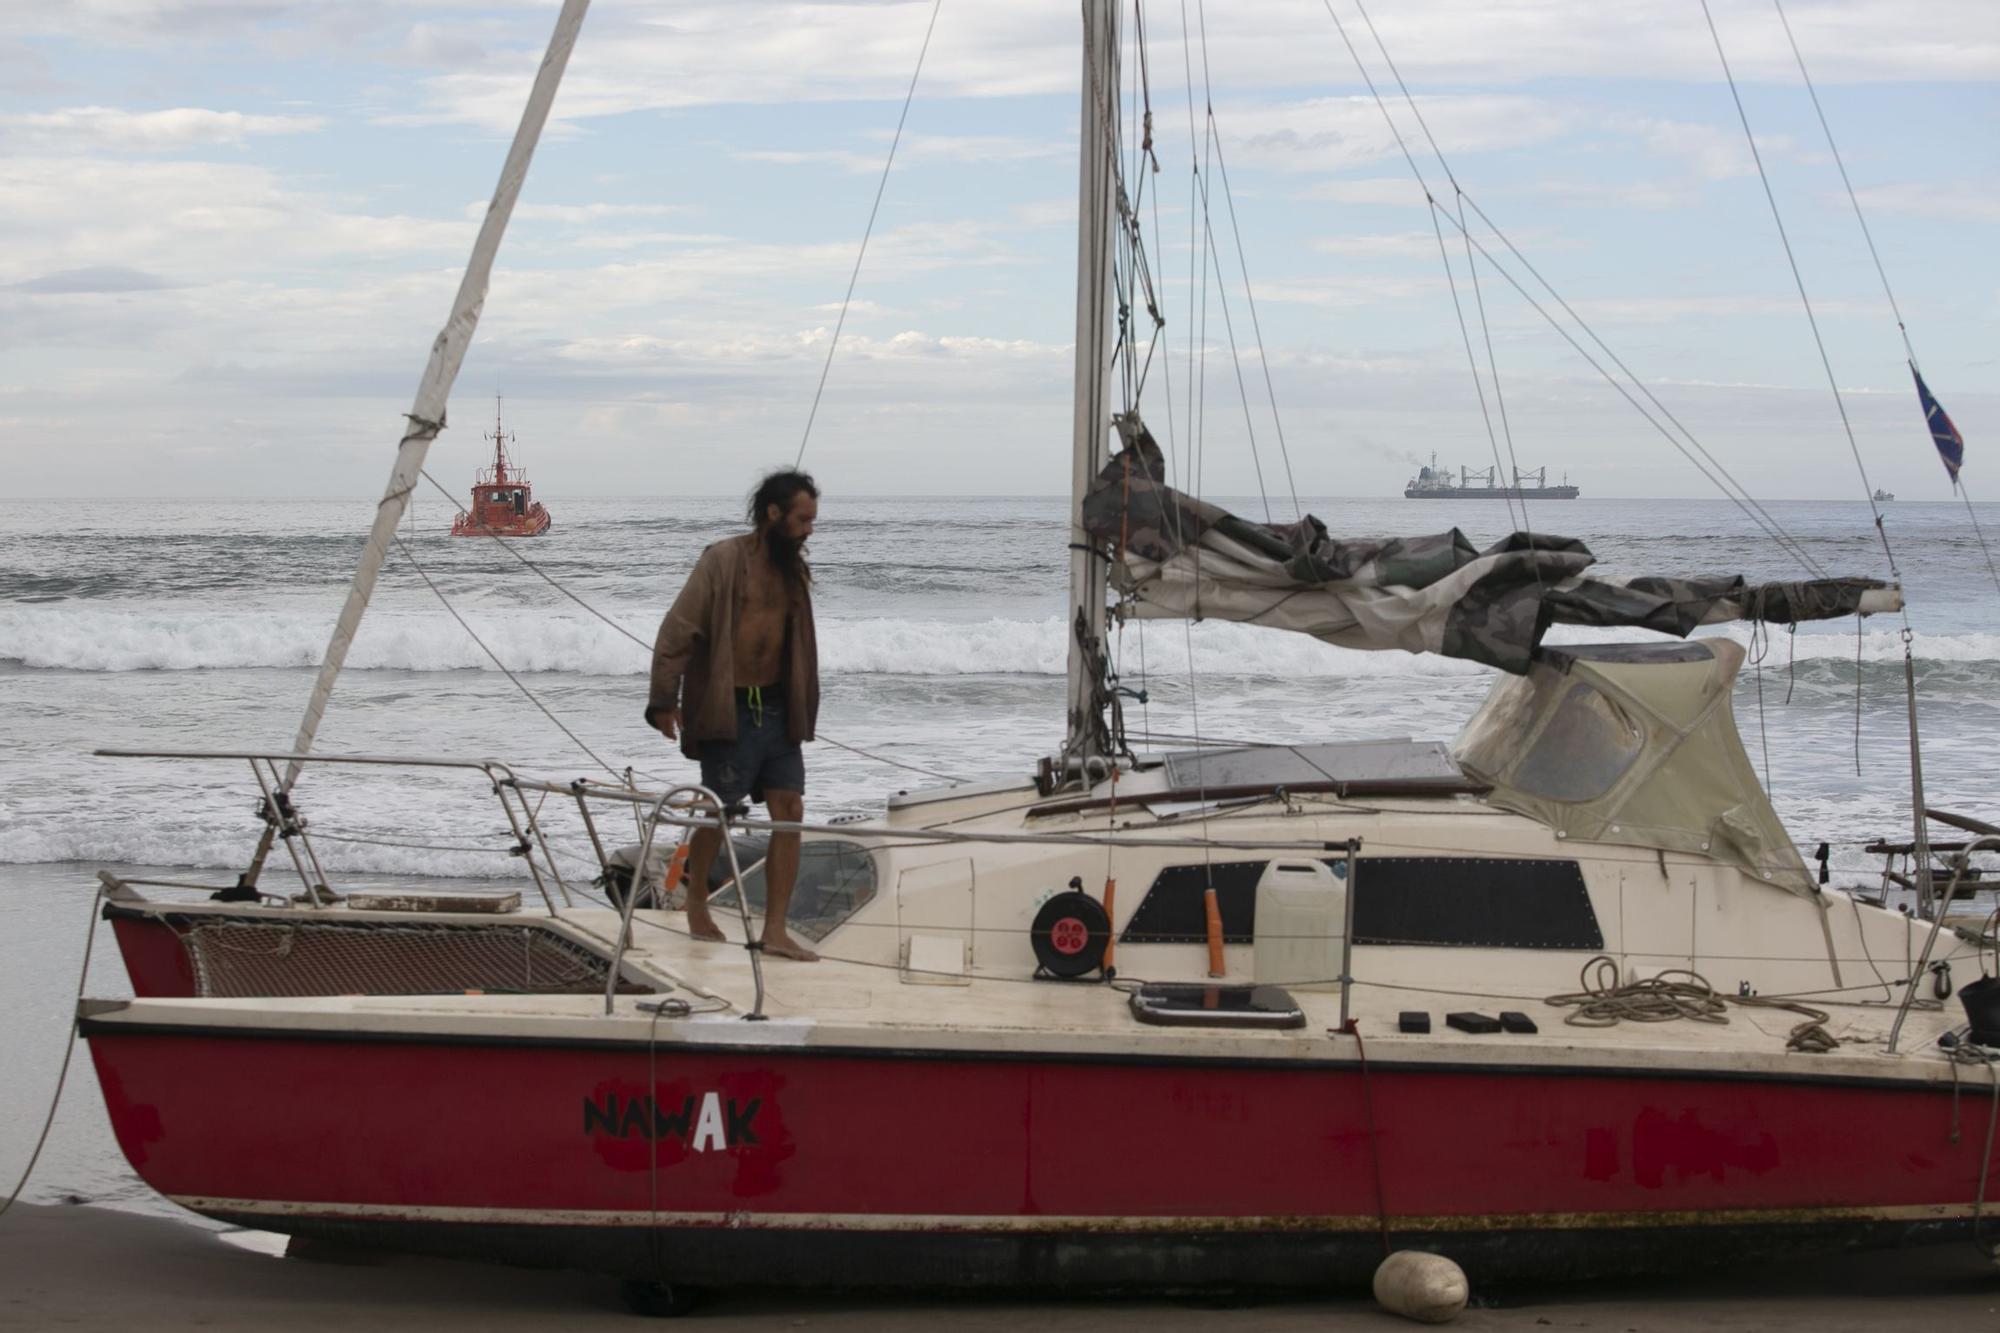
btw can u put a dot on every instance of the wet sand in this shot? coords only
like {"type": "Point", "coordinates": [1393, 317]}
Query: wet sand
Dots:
{"type": "Point", "coordinates": [95, 1268]}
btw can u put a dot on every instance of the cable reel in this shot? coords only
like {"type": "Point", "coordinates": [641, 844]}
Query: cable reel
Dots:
{"type": "Point", "coordinates": [1070, 935]}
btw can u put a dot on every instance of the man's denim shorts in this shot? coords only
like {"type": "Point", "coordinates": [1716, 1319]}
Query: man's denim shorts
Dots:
{"type": "Point", "coordinates": [761, 758]}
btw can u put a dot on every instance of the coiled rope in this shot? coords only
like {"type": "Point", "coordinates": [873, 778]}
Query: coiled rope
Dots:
{"type": "Point", "coordinates": [1677, 993]}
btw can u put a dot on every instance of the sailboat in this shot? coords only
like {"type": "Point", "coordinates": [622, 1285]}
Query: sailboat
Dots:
{"type": "Point", "coordinates": [1328, 1014]}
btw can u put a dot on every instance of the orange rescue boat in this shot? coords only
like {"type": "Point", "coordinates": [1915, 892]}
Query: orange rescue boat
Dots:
{"type": "Point", "coordinates": [503, 503]}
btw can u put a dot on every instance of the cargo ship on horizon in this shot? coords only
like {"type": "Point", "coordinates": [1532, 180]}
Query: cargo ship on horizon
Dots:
{"type": "Point", "coordinates": [1435, 483]}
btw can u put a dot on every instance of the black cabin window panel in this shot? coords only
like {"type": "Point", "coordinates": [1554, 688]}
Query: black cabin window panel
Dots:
{"type": "Point", "coordinates": [1441, 901]}
{"type": "Point", "coordinates": [1173, 911]}
{"type": "Point", "coordinates": [1465, 902]}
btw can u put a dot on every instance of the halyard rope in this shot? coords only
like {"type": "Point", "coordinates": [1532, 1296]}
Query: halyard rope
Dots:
{"type": "Point", "coordinates": [834, 342]}
{"type": "Point", "coordinates": [69, 1049]}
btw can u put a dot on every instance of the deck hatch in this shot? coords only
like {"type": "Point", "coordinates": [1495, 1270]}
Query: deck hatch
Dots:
{"type": "Point", "coordinates": [1205, 1004]}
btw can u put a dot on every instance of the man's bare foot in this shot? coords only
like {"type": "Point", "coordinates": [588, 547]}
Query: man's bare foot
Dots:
{"type": "Point", "coordinates": [702, 926]}
{"type": "Point", "coordinates": [786, 947]}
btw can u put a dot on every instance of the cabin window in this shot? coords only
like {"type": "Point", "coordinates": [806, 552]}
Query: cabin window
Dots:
{"type": "Point", "coordinates": [1586, 746]}
{"type": "Point", "coordinates": [1174, 910]}
{"type": "Point", "coordinates": [1466, 902]}
{"type": "Point", "coordinates": [1442, 901]}
{"type": "Point", "coordinates": [836, 880]}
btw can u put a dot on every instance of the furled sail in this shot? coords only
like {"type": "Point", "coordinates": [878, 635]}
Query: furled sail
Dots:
{"type": "Point", "coordinates": [1176, 557]}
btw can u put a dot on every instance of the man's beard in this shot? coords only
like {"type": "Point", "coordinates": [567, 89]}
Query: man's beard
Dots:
{"type": "Point", "coordinates": [785, 552]}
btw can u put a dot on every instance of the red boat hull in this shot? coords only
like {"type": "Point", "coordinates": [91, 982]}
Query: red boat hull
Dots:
{"type": "Point", "coordinates": [155, 958]}
{"type": "Point", "coordinates": [531, 524]}
{"type": "Point", "coordinates": [815, 1166]}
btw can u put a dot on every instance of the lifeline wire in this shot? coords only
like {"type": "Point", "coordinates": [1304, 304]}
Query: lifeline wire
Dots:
{"type": "Point", "coordinates": [868, 231]}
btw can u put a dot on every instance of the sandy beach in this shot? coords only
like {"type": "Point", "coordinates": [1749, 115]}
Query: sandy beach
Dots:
{"type": "Point", "coordinates": [96, 1268]}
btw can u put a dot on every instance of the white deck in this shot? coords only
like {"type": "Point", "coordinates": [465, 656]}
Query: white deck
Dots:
{"type": "Point", "coordinates": [849, 1006]}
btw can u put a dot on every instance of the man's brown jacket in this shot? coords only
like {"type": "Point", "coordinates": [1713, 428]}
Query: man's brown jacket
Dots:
{"type": "Point", "coordinates": [694, 654]}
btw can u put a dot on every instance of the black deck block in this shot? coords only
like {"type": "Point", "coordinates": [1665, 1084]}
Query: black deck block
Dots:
{"type": "Point", "coordinates": [1471, 1022]}
{"type": "Point", "coordinates": [1413, 1020]}
{"type": "Point", "coordinates": [1515, 1021]}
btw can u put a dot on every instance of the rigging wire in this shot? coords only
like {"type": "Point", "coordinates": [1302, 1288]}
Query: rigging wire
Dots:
{"type": "Point", "coordinates": [1444, 257]}
{"type": "Point", "coordinates": [545, 577]}
{"type": "Point", "coordinates": [1197, 379]}
{"type": "Point", "coordinates": [1909, 352]}
{"type": "Point", "coordinates": [519, 684]}
{"type": "Point", "coordinates": [1493, 370]}
{"type": "Point", "coordinates": [1798, 280]}
{"type": "Point", "coordinates": [1236, 364]}
{"type": "Point", "coordinates": [1249, 293]}
{"type": "Point", "coordinates": [1212, 145]}
{"type": "Point", "coordinates": [1692, 449]}
{"type": "Point", "coordinates": [1472, 269]}
{"type": "Point", "coordinates": [834, 343]}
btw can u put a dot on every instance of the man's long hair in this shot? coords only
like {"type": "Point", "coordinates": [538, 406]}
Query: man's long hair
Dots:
{"type": "Point", "coordinates": [780, 488]}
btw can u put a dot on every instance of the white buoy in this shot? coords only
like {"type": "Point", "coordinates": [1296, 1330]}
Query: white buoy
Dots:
{"type": "Point", "coordinates": [1428, 1288]}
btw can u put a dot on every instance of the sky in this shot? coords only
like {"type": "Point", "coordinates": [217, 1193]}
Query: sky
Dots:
{"type": "Point", "coordinates": [230, 229]}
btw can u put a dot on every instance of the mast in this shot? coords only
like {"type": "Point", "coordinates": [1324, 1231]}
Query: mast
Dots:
{"type": "Point", "coordinates": [426, 416]}
{"type": "Point", "coordinates": [1083, 747]}
{"type": "Point", "coordinates": [499, 446]}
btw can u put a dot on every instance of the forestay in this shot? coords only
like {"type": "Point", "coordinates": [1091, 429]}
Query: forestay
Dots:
{"type": "Point", "coordinates": [1176, 557]}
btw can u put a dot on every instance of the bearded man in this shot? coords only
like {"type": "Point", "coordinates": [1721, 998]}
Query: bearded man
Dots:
{"type": "Point", "coordinates": [736, 682]}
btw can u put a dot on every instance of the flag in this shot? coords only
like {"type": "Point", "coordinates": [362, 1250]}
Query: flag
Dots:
{"type": "Point", "coordinates": [1950, 444]}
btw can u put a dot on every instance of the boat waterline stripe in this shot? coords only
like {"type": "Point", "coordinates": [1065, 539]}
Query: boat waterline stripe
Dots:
{"type": "Point", "coordinates": [574, 1217]}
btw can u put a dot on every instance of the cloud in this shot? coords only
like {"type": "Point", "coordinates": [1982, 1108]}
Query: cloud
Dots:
{"type": "Point", "coordinates": [1711, 152]}
{"type": "Point", "coordinates": [103, 128]}
{"type": "Point", "coordinates": [1367, 190]}
{"type": "Point", "coordinates": [684, 53]}
{"type": "Point", "coordinates": [1421, 244]}
{"type": "Point", "coordinates": [577, 214]}
{"type": "Point", "coordinates": [190, 218]}
{"type": "Point", "coordinates": [976, 149]}
{"type": "Point", "coordinates": [1650, 196]}
{"type": "Point", "coordinates": [1344, 292]}
{"type": "Point", "coordinates": [1672, 309]}
{"type": "Point", "coordinates": [1957, 202]}
{"type": "Point", "coordinates": [1337, 133]}
{"type": "Point", "coordinates": [103, 278]}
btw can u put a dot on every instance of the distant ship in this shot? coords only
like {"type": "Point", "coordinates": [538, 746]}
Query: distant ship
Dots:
{"type": "Point", "coordinates": [503, 504]}
{"type": "Point", "coordinates": [1435, 483]}
{"type": "Point", "coordinates": [1881, 494]}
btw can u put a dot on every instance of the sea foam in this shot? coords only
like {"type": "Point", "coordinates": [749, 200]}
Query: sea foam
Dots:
{"type": "Point", "coordinates": [103, 639]}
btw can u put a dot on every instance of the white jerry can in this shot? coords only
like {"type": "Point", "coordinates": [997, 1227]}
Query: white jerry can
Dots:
{"type": "Point", "coordinates": [1301, 916]}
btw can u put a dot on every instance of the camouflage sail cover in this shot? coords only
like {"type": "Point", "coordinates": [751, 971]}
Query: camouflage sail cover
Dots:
{"type": "Point", "coordinates": [1176, 557]}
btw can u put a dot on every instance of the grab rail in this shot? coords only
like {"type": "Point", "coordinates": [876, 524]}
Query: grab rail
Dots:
{"type": "Point", "coordinates": [697, 796]}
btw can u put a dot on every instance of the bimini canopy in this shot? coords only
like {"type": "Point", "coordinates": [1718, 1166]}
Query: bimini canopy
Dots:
{"type": "Point", "coordinates": [1633, 744]}
{"type": "Point", "coordinates": [1176, 557]}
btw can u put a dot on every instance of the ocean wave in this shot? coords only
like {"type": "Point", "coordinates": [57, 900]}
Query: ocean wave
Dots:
{"type": "Point", "coordinates": [218, 854]}
{"type": "Point", "coordinates": [102, 639]}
